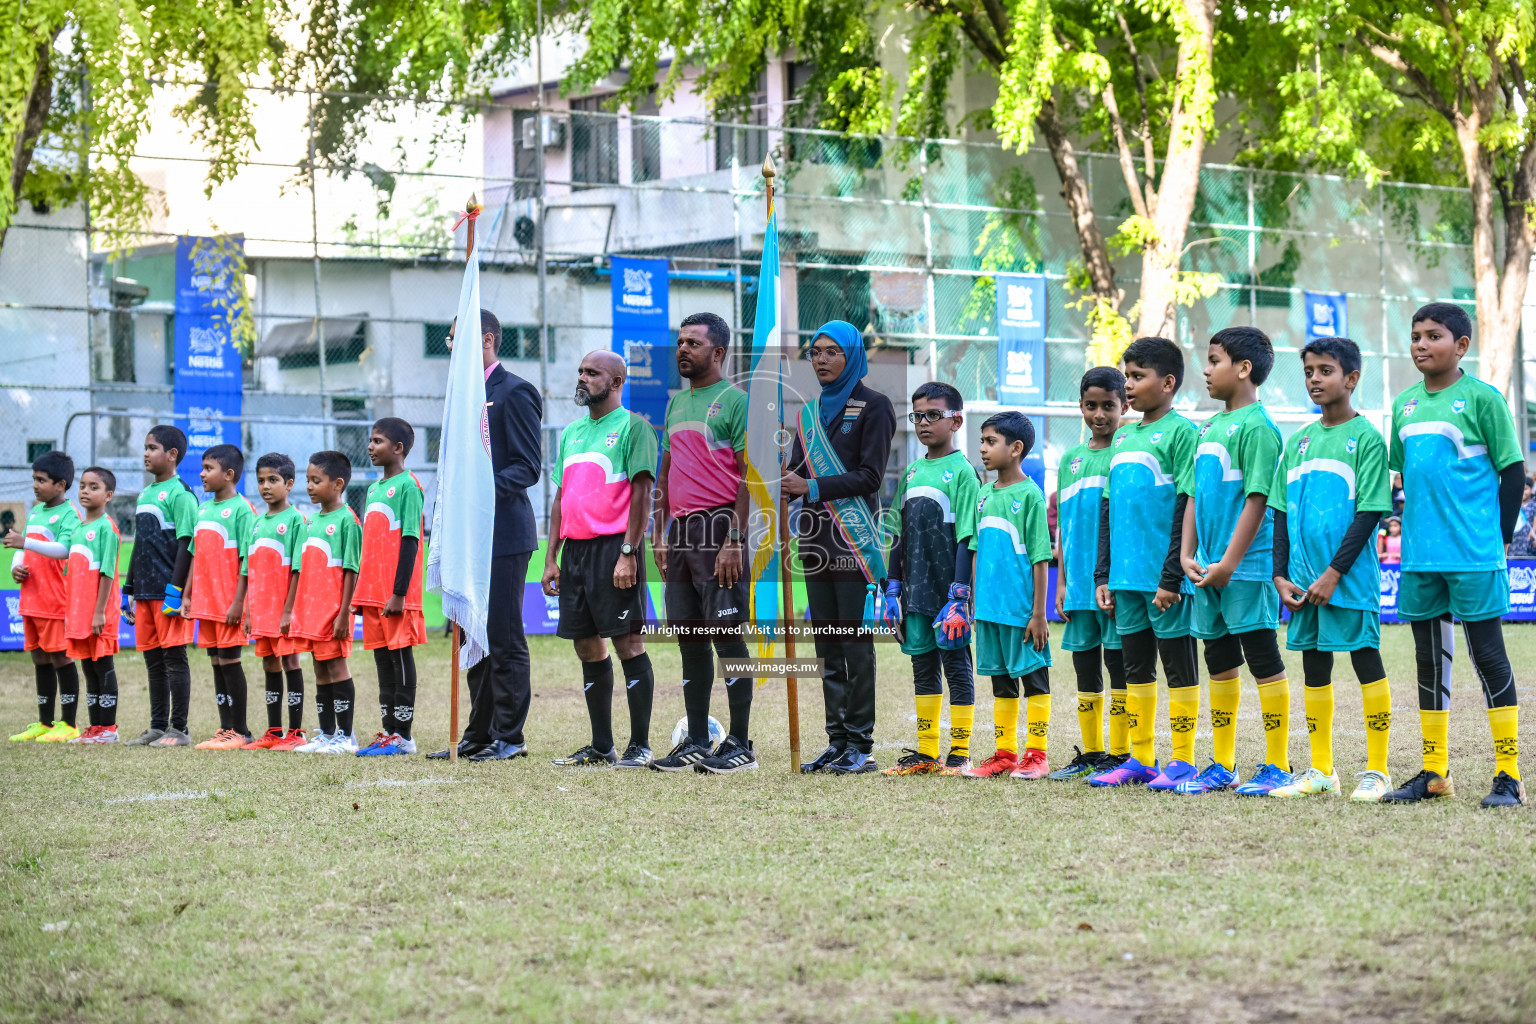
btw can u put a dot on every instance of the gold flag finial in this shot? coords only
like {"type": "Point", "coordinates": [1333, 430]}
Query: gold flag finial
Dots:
{"type": "Point", "coordinates": [768, 169]}
{"type": "Point", "coordinates": [472, 204]}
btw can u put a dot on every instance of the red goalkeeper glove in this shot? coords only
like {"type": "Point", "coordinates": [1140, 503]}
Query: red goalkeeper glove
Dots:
{"type": "Point", "coordinates": [954, 621]}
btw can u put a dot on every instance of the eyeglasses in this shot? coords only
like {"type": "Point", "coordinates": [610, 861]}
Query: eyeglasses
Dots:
{"type": "Point", "coordinates": [928, 416]}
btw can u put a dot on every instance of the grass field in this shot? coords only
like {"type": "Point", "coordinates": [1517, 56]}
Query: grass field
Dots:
{"type": "Point", "coordinates": [184, 885]}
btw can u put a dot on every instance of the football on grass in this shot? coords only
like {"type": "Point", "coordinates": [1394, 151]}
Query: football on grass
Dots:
{"type": "Point", "coordinates": [716, 731]}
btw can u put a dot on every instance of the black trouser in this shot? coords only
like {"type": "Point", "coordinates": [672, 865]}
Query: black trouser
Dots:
{"type": "Point", "coordinates": [848, 677]}
{"type": "Point", "coordinates": [500, 684]}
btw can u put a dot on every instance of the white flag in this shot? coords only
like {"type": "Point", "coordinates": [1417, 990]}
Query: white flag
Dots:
{"type": "Point", "coordinates": [464, 512]}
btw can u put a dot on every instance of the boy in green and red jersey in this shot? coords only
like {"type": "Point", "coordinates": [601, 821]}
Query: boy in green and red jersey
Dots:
{"type": "Point", "coordinates": [91, 619]}
{"type": "Point", "coordinates": [214, 595]}
{"type": "Point", "coordinates": [320, 607]}
{"type": "Point", "coordinates": [275, 539]}
{"type": "Point", "coordinates": [388, 590]}
{"type": "Point", "coordinates": [39, 570]}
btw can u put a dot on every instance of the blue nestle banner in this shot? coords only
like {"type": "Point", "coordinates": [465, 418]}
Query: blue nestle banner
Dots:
{"type": "Point", "coordinates": [207, 363]}
{"type": "Point", "coordinates": [1021, 339]}
{"type": "Point", "coordinates": [641, 334]}
{"type": "Point", "coordinates": [1327, 315]}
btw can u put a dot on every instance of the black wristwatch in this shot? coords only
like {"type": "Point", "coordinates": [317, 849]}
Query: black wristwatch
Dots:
{"type": "Point", "coordinates": [733, 535]}
{"type": "Point", "coordinates": [626, 548]}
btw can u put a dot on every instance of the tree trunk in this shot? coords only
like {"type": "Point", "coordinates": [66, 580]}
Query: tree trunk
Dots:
{"type": "Point", "coordinates": [39, 103]}
{"type": "Point", "coordinates": [1500, 289]}
{"type": "Point", "coordinates": [1178, 185]}
{"type": "Point", "coordinates": [1074, 189]}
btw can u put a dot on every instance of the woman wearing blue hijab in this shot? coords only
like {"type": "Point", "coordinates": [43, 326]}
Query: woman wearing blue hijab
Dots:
{"type": "Point", "coordinates": [842, 447]}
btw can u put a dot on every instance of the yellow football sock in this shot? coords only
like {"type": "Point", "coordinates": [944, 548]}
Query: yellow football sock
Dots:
{"type": "Point", "coordinates": [1183, 713]}
{"type": "Point", "coordinates": [961, 718]}
{"type": "Point", "coordinates": [1005, 723]}
{"type": "Point", "coordinates": [1506, 739]}
{"type": "Point", "coordinates": [1377, 698]}
{"type": "Point", "coordinates": [1319, 706]}
{"type": "Point", "coordinates": [1037, 720]}
{"type": "Point", "coordinates": [1436, 726]}
{"type": "Point", "coordinates": [1275, 704]}
{"type": "Point", "coordinates": [1225, 695]}
{"type": "Point", "coordinates": [1119, 724]}
{"type": "Point", "coordinates": [1090, 720]}
{"type": "Point", "coordinates": [928, 707]}
{"type": "Point", "coordinates": [1140, 713]}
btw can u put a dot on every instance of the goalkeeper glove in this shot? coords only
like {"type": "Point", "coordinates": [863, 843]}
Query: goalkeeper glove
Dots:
{"type": "Point", "coordinates": [890, 605]}
{"type": "Point", "coordinates": [172, 601]}
{"type": "Point", "coordinates": [954, 621]}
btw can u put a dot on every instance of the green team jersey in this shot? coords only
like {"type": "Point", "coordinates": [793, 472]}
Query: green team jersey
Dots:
{"type": "Point", "coordinates": [271, 557]}
{"type": "Point", "coordinates": [92, 555]}
{"type": "Point", "coordinates": [935, 512]}
{"type": "Point", "coordinates": [332, 547]}
{"type": "Point", "coordinates": [1149, 466]}
{"type": "Point", "coordinates": [1450, 446]}
{"type": "Point", "coordinates": [1011, 536]}
{"type": "Point", "coordinates": [219, 547]}
{"type": "Point", "coordinates": [1080, 482]}
{"type": "Point", "coordinates": [705, 429]}
{"type": "Point", "coordinates": [598, 460]}
{"type": "Point", "coordinates": [1327, 475]}
{"type": "Point", "coordinates": [43, 593]}
{"type": "Point", "coordinates": [1235, 457]}
{"type": "Point", "coordinates": [393, 513]}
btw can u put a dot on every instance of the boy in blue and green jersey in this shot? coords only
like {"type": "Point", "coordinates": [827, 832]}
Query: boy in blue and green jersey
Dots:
{"type": "Point", "coordinates": [1137, 578]}
{"type": "Point", "coordinates": [1453, 439]}
{"type": "Point", "coordinates": [1227, 554]}
{"type": "Point", "coordinates": [1329, 494]}
{"type": "Point", "coordinates": [933, 525]}
{"type": "Point", "coordinates": [1013, 546]}
{"type": "Point", "coordinates": [1080, 481]}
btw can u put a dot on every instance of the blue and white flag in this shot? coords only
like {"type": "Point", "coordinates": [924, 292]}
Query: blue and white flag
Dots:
{"type": "Point", "coordinates": [464, 511]}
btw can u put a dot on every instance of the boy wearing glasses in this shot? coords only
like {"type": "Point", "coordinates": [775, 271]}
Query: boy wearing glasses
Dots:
{"type": "Point", "coordinates": [931, 525]}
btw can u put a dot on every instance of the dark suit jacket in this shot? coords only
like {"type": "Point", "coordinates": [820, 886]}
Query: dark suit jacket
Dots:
{"type": "Point", "coordinates": [513, 413]}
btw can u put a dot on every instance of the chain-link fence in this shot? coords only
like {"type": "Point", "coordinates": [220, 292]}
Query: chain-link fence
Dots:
{"type": "Point", "coordinates": [353, 274]}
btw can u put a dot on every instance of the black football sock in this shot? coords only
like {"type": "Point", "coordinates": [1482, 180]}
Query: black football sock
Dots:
{"type": "Point", "coordinates": [325, 708]}
{"type": "Point", "coordinates": [274, 697]}
{"type": "Point", "coordinates": [405, 693]}
{"type": "Point", "coordinates": [178, 681]}
{"type": "Point", "coordinates": [92, 685]}
{"type": "Point", "coordinates": [295, 677]}
{"type": "Point", "coordinates": [106, 692]}
{"type": "Point", "coordinates": [344, 694]}
{"type": "Point", "coordinates": [738, 690]}
{"type": "Point", "coordinates": [159, 692]}
{"type": "Point", "coordinates": [388, 669]}
{"type": "Point", "coordinates": [221, 695]}
{"type": "Point", "coordinates": [597, 687]}
{"type": "Point", "coordinates": [640, 690]}
{"type": "Point", "coordinates": [235, 688]}
{"type": "Point", "coordinates": [698, 682]}
{"type": "Point", "coordinates": [47, 691]}
{"type": "Point", "coordinates": [69, 691]}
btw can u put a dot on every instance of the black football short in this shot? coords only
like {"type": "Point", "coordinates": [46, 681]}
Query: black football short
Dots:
{"type": "Point", "coordinates": [590, 605]}
{"type": "Point", "coordinates": [695, 600]}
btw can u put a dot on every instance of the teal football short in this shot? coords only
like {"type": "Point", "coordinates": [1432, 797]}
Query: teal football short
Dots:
{"type": "Point", "coordinates": [1241, 606]}
{"type": "Point", "coordinates": [1326, 628]}
{"type": "Point", "coordinates": [1087, 629]}
{"type": "Point", "coordinates": [1468, 596]}
{"type": "Point", "coordinates": [1134, 612]}
{"type": "Point", "coordinates": [1003, 650]}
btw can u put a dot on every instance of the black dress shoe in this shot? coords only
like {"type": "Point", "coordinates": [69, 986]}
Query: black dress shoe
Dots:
{"type": "Point", "coordinates": [465, 750]}
{"type": "Point", "coordinates": [825, 758]}
{"type": "Point", "coordinates": [501, 750]}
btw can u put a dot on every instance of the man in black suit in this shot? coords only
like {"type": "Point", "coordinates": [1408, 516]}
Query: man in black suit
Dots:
{"type": "Point", "coordinates": [499, 685]}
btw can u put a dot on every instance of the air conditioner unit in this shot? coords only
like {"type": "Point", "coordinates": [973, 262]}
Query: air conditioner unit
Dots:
{"type": "Point", "coordinates": [554, 132]}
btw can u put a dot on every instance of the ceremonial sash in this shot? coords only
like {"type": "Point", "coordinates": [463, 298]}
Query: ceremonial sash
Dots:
{"type": "Point", "coordinates": [851, 515]}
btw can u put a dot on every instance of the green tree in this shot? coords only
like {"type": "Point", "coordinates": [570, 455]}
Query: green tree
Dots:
{"type": "Point", "coordinates": [81, 78]}
{"type": "Point", "coordinates": [1062, 67]}
{"type": "Point", "coordinates": [1432, 92]}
